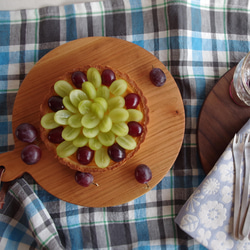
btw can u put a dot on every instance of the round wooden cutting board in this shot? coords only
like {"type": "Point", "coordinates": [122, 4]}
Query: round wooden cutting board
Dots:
{"type": "Point", "coordinates": [220, 118]}
{"type": "Point", "coordinates": [158, 151]}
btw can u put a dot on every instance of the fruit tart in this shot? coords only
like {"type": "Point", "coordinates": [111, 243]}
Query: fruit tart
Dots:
{"type": "Point", "coordinates": [94, 118]}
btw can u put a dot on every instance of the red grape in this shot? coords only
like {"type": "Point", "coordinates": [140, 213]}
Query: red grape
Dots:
{"type": "Point", "coordinates": [31, 154]}
{"type": "Point", "coordinates": [85, 155]}
{"type": "Point", "coordinates": [26, 132]}
{"type": "Point", "coordinates": [135, 129]}
{"type": "Point", "coordinates": [157, 77]}
{"type": "Point", "coordinates": [116, 152]}
{"type": "Point", "coordinates": [108, 76]}
{"type": "Point", "coordinates": [131, 100]}
{"type": "Point", "coordinates": [143, 173]}
{"type": "Point", "coordinates": [55, 103]}
{"type": "Point", "coordinates": [84, 179]}
{"type": "Point", "coordinates": [78, 78]}
{"type": "Point", "coordinates": [55, 135]}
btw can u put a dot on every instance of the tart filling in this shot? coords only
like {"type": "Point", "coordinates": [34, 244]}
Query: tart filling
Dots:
{"type": "Point", "coordinates": [94, 118]}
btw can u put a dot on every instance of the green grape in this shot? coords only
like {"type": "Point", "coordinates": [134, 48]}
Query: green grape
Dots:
{"type": "Point", "coordinates": [102, 159]}
{"type": "Point", "coordinates": [62, 88]}
{"type": "Point", "coordinates": [119, 115]}
{"type": "Point", "coordinates": [77, 95]}
{"type": "Point", "coordinates": [62, 116]}
{"type": "Point", "coordinates": [135, 115]}
{"type": "Point", "coordinates": [74, 121]}
{"type": "Point", "coordinates": [94, 77]}
{"type": "Point", "coordinates": [90, 132]}
{"type": "Point", "coordinates": [97, 110]}
{"type": "Point", "coordinates": [65, 149]}
{"type": "Point", "coordinates": [102, 102]}
{"type": "Point", "coordinates": [126, 142]}
{"type": "Point", "coordinates": [89, 89]}
{"type": "Point", "coordinates": [80, 141]}
{"type": "Point", "coordinates": [118, 87]}
{"type": "Point", "coordinates": [84, 106]}
{"type": "Point", "coordinates": [68, 104]}
{"type": "Point", "coordinates": [103, 91]}
{"type": "Point", "coordinates": [106, 139]}
{"type": "Point", "coordinates": [90, 120]}
{"type": "Point", "coordinates": [106, 124]}
{"type": "Point", "coordinates": [120, 129]}
{"type": "Point", "coordinates": [69, 133]}
{"type": "Point", "coordinates": [94, 144]}
{"type": "Point", "coordinates": [48, 121]}
{"type": "Point", "coordinates": [116, 102]}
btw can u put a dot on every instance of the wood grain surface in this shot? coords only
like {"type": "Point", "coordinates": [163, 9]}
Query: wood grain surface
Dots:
{"type": "Point", "coordinates": [220, 118]}
{"type": "Point", "coordinates": [158, 151]}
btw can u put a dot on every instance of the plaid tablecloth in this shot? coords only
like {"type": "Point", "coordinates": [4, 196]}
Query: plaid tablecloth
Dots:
{"type": "Point", "coordinates": [197, 40]}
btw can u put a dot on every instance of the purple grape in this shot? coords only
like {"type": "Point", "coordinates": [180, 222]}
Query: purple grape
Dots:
{"type": "Point", "coordinates": [31, 154]}
{"type": "Point", "coordinates": [134, 129]}
{"type": "Point", "coordinates": [131, 100]}
{"type": "Point", "coordinates": [85, 155]}
{"type": "Point", "coordinates": [84, 179]}
{"type": "Point", "coordinates": [157, 77]}
{"type": "Point", "coordinates": [116, 152]}
{"type": "Point", "coordinates": [55, 135]}
{"type": "Point", "coordinates": [143, 173]}
{"type": "Point", "coordinates": [78, 78]}
{"type": "Point", "coordinates": [55, 103]}
{"type": "Point", "coordinates": [26, 132]}
{"type": "Point", "coordinates": [108, 76]}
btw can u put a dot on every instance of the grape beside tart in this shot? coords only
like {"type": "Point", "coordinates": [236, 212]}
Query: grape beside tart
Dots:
{"type": "Point", "coordinates": [94, 119]}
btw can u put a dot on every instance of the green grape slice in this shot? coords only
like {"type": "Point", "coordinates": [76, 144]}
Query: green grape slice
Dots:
{"type": "Point", "coordinates": [90, 120]}
{"type": "Point", "coordinates": [106, 124]}
{"type": "Point", "coordinates": [118, 87]}
{"type": "Point", "coordinates": [65, 149]}
{"type": "Point", "coordinates": [77, 95]}
{"type": "Point", "coordinates": [102, 159]}
{"type": "Point", "coordinates": [119, 115]}
{"type": "Point", "coordinates": [116, 102]}
{"type": "Point", "coordinates": [80, 141]}
{"type": "Point", "coordinates": [135, 115]}
{"type": "Point", "coordinates": [120, 129]}
{"type": "Point", "coordinates": [97, 110]}
{"type": "Point", "coordinates": [62, 116]}
{"type": "Point", "coordinates": [94, 144]}
{"type": "Point", "coordinates": [106, 139]}
{"type": "Point", "coordinates": [48, 121]}
{"type": "Point", "coordinates": [69, 133]}
{"type": "Point", "coordinates": [89, 89]}
{"type": "Point", "coordinates": [62, 88]}
{"type": "Point", "coordinates": [90, 132]}
{"type": "Point", "coordinates": [74, 121]}
{"type": "Point", "coordinates": [68, 104]}
{"type": "Point", "coordinates": [102, 102]}
{"type": "Point", "coordinates": [126, 142]}
{"type": "Point", "coordinates": [103, 91]}
{"type": "Point", "coordinates": [94, 76]}
{"type": "Point", "coordinates": [84, 106]}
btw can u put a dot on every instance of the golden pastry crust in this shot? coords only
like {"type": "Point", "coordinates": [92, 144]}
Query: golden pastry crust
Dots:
{"type": "Point", "coordinates": [71, 161]}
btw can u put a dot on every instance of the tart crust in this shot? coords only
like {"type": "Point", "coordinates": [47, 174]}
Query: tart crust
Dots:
{"type": "Point", "coordinates": [71, 161]}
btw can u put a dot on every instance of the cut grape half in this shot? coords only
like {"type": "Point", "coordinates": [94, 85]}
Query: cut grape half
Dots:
{"type": "Point", "coordinates": [127, 142]}
{"type": "Point", "coordinates": [102, 158]}
{"type": "Point", "coordinates": [66, 149]}
{"type": "Point", "coordinates": [48, 121]}
{"type": "Point", "coordinates": [69, 133]}
{"type": "Point", "coordinates": [62, 88]}
{"type": "Point", "coordinates": [119, 115]}
{"type": "Point", "coordinates": [94, 77]}
{"type": "Point", "coordinates": [61, 117]}
{"type": "Point", "coordinates": [118, 87]}
{"type": "Point", "coordinates": [76, 96]}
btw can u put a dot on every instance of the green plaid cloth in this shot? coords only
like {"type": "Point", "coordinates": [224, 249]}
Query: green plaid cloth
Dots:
{"type": "Point", "coordinates": [197, 40]}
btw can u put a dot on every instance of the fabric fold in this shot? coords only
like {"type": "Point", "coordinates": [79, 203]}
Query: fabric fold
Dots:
{"type": "Point", "coordinates": [207, 215]}
{"type": "Point", "coordinates": [25, 219]}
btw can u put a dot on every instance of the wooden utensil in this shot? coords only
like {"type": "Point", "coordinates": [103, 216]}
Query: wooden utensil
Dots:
{"type": "Point", "coordinates": [165, 129]}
